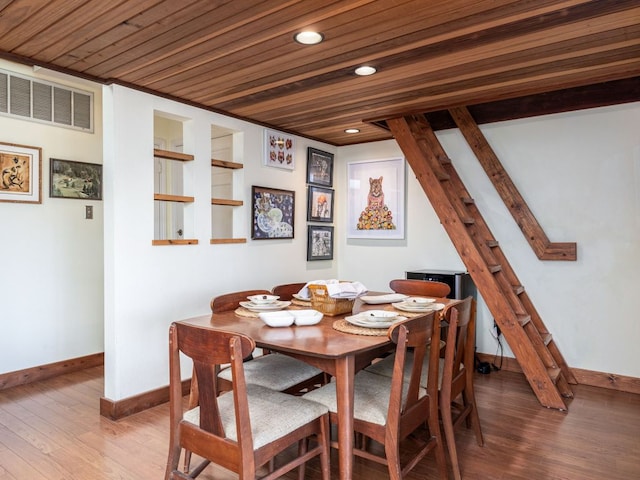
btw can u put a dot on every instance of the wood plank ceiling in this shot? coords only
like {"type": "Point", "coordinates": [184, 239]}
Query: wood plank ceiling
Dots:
{"type": "Point", "coordinates": [238, 56]}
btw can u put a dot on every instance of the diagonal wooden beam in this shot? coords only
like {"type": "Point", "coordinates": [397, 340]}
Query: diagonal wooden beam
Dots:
{"type": "Point", "coordinates": [531, 229]}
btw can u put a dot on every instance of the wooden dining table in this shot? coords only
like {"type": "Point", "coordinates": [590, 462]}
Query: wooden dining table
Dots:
{"type": "Point", "coordinates": [338, 353]}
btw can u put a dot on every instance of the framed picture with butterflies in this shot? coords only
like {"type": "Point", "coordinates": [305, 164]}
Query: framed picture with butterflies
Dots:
{"type": "Point", "coordinates": [376, 199]}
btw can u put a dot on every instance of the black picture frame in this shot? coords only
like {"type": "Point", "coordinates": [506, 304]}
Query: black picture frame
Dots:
{"type": "Point", "coordinates": [273, 213]}
{"type": "Point", "coordinates": [77, 180]}
{"type": "Point", "coordinates": [319, 167]}
{"type": "Point", "coordinates": [319, 204]}
{"type": "Point", "coordinates": [319, 242]}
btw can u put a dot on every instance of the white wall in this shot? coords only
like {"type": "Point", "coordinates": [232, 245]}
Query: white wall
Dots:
{"type": "Point", "coordinates": [147, 287]}
{"type": "Point", "coordinates": [580, 175]}
{"type": "Point", "coordinates": [51, 281]}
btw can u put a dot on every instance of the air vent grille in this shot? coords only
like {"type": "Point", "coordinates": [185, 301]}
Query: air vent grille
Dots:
{"type": "Point", "coordinates": [45, 102]}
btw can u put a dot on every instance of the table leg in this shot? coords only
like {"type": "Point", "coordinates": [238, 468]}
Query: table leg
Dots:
{"type": "Point", "coordinates": [345, 372]}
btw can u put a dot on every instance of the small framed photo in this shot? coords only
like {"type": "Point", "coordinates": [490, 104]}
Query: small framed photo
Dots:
{"type": "Point", "coordinates": [75, 180]}
{"type": "Point", "coordinates": [319, 204]}
{"type": "Point", "coordinates": [319, 167]}
{"type": "Point", "coordinates": [21, 173]}
{"type": "Point", "coordinates": [273, 213]}
{"type": "Point", "coordinates": [279, 149]}
{"type": "Point", "coordinates": [319, 242]}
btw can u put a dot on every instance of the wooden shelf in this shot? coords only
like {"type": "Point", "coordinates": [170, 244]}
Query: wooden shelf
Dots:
{"type": "Point", "coordinates": [177, 241]}
{"type": "Point", "coordinates": [226, 201]}
{"type": "Point", "coordinates": [183, 157]}
{"type": "Point", "coordinates": [219, 241]}
{"type": "Point", "coordinates": [226, 164]}
{"type": "Point", "coordinates": [163, 197]}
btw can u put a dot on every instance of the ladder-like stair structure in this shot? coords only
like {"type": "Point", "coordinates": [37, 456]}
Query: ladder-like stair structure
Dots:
{"type": "Point", "coordinates": [512, 309]}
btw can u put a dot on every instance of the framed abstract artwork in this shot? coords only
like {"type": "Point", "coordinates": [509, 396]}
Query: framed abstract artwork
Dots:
{"type": "Point", "coordinates": [21, 173]}
{"type": "Point", "coordinates": [376, 199]}
{"type": "Point", "coordinates": [273, 213]}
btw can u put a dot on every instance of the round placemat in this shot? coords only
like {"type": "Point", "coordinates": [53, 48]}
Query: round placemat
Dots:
{"type": "Point", "coordinates": [346, 327]}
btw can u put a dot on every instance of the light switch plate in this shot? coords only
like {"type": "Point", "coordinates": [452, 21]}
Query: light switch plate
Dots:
{"type": "Point", "coordinates": [88, 212]}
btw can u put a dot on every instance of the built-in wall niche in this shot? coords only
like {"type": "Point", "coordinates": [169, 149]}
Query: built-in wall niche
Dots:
{"type": "Point", "coordinates": [173, 205]}
{"type": "Point", "coordinates": [226, 185]}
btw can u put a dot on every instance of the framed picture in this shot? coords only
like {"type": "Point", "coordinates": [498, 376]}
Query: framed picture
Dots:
{"type": "Point", "coordinates": [319, 204]}
{"type": "Point", "coordinates": [319, 167]}
{"type": "Point", "coordinates": [376, 199]}
{"type": "Point", "coordinates": [21, 169]}
{"type": "Point", "coordinates": [70, 179]}
{"type": "Point", "coordinates": [279, 150]}
{"type": "Point", "coordinates": [273, 213]}
{"type": "Point", "coordinates": [319, 242]}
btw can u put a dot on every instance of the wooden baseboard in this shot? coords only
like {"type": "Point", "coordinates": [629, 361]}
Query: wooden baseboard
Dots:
{"type": "Point", "coordinates": [42, 372]}
{"type": "Point", "coordinates": [117, 409]}
{"type": "Point", "coordinates": [584, 377]}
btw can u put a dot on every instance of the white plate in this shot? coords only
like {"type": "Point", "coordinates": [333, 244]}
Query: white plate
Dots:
{"type": "Point", "coordinates": [378, 299]}
{"type": "Point", "coordinates": [277, 319]}
{"type": "Point", "coordinates": [279, 305]}
{"type": "Point", "coordinates": [378, 315]}
{"type": "Point", "coordinates": [262, 299]}
{"type": "Point", "coordinates": [300, 297]}
{"type": "Point", "coordinates": [419, 301]}
{"type": "Point", "coordinates": [430, 307]}
{"type": "Point", "coordinates": [306, 317]}
{"type": "Point", "coordinates": [361, 321]}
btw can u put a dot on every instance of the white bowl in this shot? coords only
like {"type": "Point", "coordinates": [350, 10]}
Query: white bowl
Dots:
{"type": "Point", "coordinates": [378, 315]}
{"type": "Point", "coordinates": [263, 299]}
{"type": "Point", "coordinates": [306, 317]}
{"type": "Point", "coordinates": [277, 319]}
{"type": "Point", "coordinates": [419, 300]}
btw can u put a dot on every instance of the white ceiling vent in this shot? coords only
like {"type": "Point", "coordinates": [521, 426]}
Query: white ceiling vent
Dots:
{"type": "Point", "coordinates": [45, 102]}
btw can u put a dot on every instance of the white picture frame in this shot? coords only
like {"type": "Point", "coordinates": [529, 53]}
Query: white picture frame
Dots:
{"type": "Point", "coordinates": [279, 150]}
{"type": "Point", "coordinates": [376, 213]}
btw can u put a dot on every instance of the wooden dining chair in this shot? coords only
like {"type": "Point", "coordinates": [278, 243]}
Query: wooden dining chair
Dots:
{"type": "Point", "coordinates": [456, 401]}
{"type": "Point", "coordinates": [244, 429]}
{"type": "Point", "coordinates": [276, 371]}
{"type": "Point", "coordinates": [425, 288]}
{"type": "Point", "coordinates": [388, 409]}
{"type": "Point", "coordinates": [286, 290]}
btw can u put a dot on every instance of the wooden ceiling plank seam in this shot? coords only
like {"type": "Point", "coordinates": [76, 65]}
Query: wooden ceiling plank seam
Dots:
{"type": "Point", "coordinates": [204, 35]}
{"type": "Point", "coordinates": [475, 24]}
{"type": "Point", "coordinates": [105, 31]}
{"type": "Point", "coordinates": [23, 20]}
{"type": "Point", "coordinates": [501, 34]}
{"type": "Point", "coordinates": [278, 48]}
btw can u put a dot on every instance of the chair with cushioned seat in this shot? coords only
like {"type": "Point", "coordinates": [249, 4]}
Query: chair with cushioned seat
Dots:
{"type": "Point", "coordinates": [242, 430]}
{"type": "Point", "coordinates": [390, 409]}
{"type": "Point", "coordinates": [424, 288]}
{"type": "Point", "coordinates": [456, 393]}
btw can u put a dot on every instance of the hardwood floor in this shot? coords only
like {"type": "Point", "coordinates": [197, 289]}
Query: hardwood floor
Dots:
{"type": "Point", "coordinates": [52, 430]}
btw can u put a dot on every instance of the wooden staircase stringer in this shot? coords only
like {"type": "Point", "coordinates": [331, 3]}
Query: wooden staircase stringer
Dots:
{"type": "Point", "coordinates": [493, 254]}
{"type": "Point", "coordinates": [416, 140]}
{"type": "Point", "coordinates": [531, 229]}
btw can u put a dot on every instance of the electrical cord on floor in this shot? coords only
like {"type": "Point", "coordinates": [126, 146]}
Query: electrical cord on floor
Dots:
{"type": "Point", "coordinates": [500, 348]}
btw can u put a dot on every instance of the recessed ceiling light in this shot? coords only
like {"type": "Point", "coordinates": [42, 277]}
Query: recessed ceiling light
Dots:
{"type": "Point", "coordinates": [308, 37]}
{"type": "Point", "coordinates": [352, 130]}
{"type": "Point", "coordinates": [365, 70]}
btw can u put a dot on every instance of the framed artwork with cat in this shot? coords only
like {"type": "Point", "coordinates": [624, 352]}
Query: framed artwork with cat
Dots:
{"type": "Point", "coordinates": [376, 199]}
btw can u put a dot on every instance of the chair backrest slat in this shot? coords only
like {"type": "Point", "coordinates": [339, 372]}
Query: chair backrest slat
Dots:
{"type": "Point", "coordinates": [426, 288]}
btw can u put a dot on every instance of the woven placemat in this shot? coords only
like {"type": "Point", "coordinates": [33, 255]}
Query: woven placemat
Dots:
{"type": "Point", "coordinates": [346, 327]}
